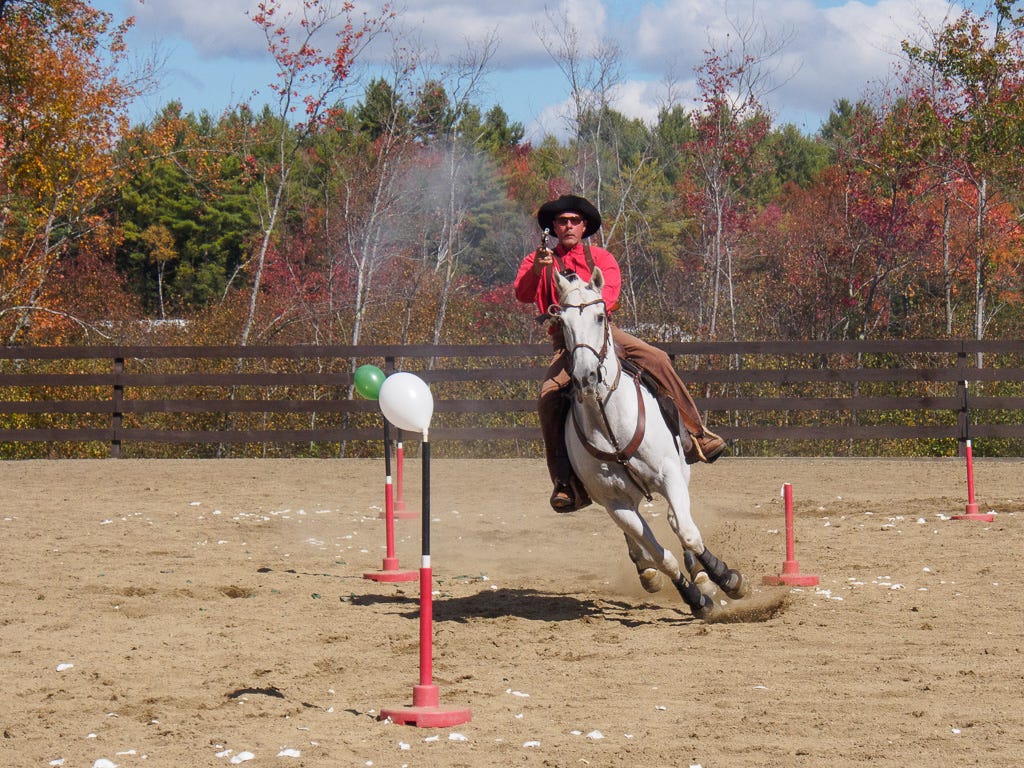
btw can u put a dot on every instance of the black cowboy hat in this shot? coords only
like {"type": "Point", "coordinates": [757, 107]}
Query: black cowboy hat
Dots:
{"type": "Point", "coordinates": [570, 204]}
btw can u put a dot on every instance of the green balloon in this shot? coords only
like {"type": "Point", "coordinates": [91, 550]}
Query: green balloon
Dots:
{"type": "Point", "coordinates": [368, 380]}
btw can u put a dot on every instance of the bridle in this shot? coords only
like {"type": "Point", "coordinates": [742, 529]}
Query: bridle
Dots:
{"type": "Point", "coordinates": [556, 312]}
{"type": "Point", "coordinates": [620, 455]}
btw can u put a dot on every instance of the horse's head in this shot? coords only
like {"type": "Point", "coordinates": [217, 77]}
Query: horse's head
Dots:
{"type": "Point", "coordinates": [585, 323]}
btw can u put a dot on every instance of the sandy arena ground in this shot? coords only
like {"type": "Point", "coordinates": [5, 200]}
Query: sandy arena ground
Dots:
{"type": "Point", "coordinates": [215, 613]}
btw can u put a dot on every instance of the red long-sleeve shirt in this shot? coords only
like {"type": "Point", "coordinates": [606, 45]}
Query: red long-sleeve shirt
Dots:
{"type": "Point", "coordinates": [540, 289]}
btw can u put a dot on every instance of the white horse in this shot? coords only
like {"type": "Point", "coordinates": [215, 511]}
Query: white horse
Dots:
{"type": "Point", "coordinates": [623, 451]}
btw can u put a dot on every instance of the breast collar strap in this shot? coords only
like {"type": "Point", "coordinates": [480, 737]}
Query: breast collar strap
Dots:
{"type": "Point", "coordinates": [620, 455]}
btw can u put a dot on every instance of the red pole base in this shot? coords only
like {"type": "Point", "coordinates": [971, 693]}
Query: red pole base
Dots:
{"type": "Point", "coordinates": [792, 580]}
{"type": "Point", "coordinates": [971, 513]}
{"type": "Point", "coordinates": [791, 576]}
{"type": "Point", "coordinates": [426, 711]}
{"type": "Point", "coordinates": [391, 572]}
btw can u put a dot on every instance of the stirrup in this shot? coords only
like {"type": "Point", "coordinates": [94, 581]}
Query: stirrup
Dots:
{"type": "Point", "coordinates": [562, 498]}
{"type": "Point", "coordinates": [715, 447]}
{"type": "Point", "coordinates": [569, 497]}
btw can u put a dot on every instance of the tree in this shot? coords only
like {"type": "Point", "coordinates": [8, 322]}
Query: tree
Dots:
{"type": "Point", "coordinates": [592, 75]}
{"type": "Point", "coordinates": [310, 83]}
{"type": "Point", "coordinates": [723, 160]}
{"type": "Point", "coordinates": [972, 79]}
{"type": "Point", "coordinates": [62, 108]}
{"type": "Point", "coordinates": [190, 183]}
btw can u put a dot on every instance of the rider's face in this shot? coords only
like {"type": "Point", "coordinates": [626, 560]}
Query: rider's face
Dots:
{"type": "Point", "coordinates": [569, 228]}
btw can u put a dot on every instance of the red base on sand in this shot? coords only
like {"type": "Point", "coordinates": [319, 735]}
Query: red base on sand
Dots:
{"type": "Point", "coordinates": [425, 710]}
{"type": "Point", "coordinates": [391, 572]}
{"type": "Point", "coordinates": [791, 576]}
{"type": "Point", "coordinates": [972, 513]}
{"type": "Point", "coordinates": [792, 580]}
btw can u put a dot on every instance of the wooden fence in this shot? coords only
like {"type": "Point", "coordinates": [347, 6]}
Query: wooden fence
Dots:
{"type": "Point", "coordinates": [769, 398]}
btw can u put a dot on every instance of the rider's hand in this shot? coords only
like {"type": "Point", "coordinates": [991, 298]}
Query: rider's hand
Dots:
{"type": "Point", "coordinates": [544, 258]}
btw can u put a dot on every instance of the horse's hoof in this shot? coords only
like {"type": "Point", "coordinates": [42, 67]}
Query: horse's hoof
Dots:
{"type": "Point", "coordinates": [704, 583]}
{"type": "Point", "coordinates": [706, 610]}
{"type": "Point", "coordinates": [652, 580]}
{"type": "Point", "coordinates": [736, 585]}
{"type": "Point", "coordinates": [701, 606]}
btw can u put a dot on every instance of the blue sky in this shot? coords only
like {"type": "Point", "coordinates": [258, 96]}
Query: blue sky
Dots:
{"type": "Point", "coordinates": [215, 57]}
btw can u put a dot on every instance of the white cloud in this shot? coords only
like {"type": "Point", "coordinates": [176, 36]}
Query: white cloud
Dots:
{"type": "Point", "coordinates": [831, 52]}
{"type": "Point", "coordinates": [215, 28]}
{"type": "Point", "coordinates": [834, 48]}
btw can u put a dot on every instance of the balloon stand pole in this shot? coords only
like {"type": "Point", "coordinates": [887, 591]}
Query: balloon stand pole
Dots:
{"type": "Point", "coordinates": [400, 511]}
{"type": "Point", "coordinates": [426, 710]}
{"type": "Point", "coordinates": [790, 575]}
{"type": "Point", "coordinates": [971, 512]}
{"type": "Point", "coordinates": [390, 570]}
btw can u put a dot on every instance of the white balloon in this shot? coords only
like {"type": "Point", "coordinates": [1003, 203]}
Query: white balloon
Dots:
{"type": "Point", "coordinates": [406, 401]}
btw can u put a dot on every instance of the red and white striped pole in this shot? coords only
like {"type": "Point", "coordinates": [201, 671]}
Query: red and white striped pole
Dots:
{"type": "Point", "coordinates": [426, 710]}
{"type": "Point", "coordinates": [971, 511]}
{"type": "Point", "coordinates": [399, 471]}
{"type": "Point", "coordinates": [407, 400]}
{"type": "Point", "coordinates": [401, 512]}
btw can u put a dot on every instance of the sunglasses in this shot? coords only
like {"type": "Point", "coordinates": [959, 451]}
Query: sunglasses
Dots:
{"type": "Point", "coordinates": [568, 221]}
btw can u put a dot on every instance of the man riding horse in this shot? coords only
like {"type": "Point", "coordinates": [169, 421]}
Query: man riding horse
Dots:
{"type": "Point", "coordinates": [573, 219]}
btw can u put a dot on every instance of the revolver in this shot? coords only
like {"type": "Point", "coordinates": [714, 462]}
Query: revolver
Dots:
{"type": "Point", "coordinates": [544, 256]}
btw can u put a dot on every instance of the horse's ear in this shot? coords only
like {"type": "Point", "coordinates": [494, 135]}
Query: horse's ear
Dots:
{"type": "Point", "coordinates": [562, 283]}
{"type": "Point", "coordinates": [597, 279]}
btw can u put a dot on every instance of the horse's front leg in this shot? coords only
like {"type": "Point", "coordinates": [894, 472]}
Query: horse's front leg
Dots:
{"type": "Point", "coordinates": [732, 582]}
{"type": "Point", "coordinates": [644, 548]}
{"type": "Point", "coordinates": [639, 532]}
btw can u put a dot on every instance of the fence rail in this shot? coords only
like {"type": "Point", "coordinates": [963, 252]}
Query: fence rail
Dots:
{"type": "Point", "coordinates": [756, 394]}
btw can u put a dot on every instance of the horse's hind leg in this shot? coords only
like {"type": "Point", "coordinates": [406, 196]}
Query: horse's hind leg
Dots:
{"type": "Point", "coordinates": [651, 579]}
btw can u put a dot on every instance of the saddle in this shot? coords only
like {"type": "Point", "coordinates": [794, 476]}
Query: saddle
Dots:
{"type": "Point", "coordinates": [666, 404]}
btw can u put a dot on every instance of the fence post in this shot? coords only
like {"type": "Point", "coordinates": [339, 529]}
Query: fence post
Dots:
{"type": "Point", "coordinates": [116, 416]}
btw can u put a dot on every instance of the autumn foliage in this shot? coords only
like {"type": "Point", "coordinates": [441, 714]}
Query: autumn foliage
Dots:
{"type": "Point", "coordinates": [399, 213]}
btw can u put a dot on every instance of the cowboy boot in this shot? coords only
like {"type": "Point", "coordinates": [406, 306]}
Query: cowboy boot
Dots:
{"type": "Point", "coordinates": [705, 445]}
{"type": "Point", "coordinates": [568, 494]}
